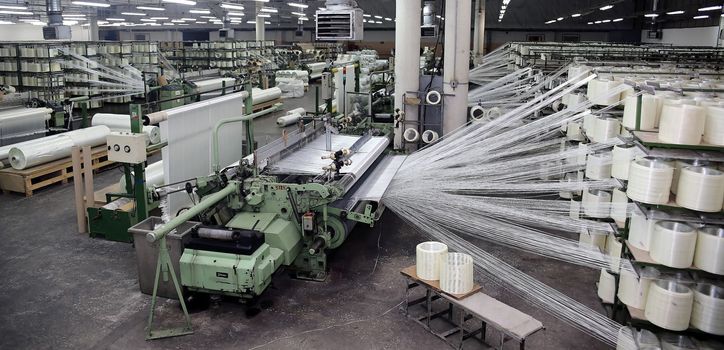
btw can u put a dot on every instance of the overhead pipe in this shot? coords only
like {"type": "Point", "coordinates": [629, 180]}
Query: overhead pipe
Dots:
{"type": "Point", "coordinates": [55, 12]}
{"type": "Point", "coordinates": [407, 66]}
{"type": "Point", "coordinates": [260, 23]}
{"type": "Point", "coordinates": [479, 31]}
{"type": "Point", "coordinates": [457, 64]}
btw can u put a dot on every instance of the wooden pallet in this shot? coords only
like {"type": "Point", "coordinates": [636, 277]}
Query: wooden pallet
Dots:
{"type": "Point", "coordinates": [265, 105]}
{"type": "Point", "coordinates": [27, 181]}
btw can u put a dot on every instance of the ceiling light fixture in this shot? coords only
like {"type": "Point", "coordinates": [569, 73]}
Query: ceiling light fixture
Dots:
{"type": "Point", "coordinates": [150, 8]}
{"type": "Point", "coordinates": [607, 7]}
{"type": "Point", "coordinates": [181, 2]}
{"type": "Point", "coordinates": [200, 11]}
{"type": "Point", "coordinates": [14, 12]}
{"type": "Point", "coordinates": [8, 7]}
{"type": "Point", "coordinates": [90, 3]}
{"type": "Point", "coordinates": [232, 6]}
{"type": "Point", "coordinates": [617, 20]}
{"type": "Point", "coordinates": [701, 17]}
{"type": "Point", "coordinates": [710, 8]}
{"type": "Point", "coordinates": [268, 10]}
{"type": "Point", "coordinates": [297, 4]}
{"type": "Point", "coordinates": [675, 12]}
{"type": "Point", "coordinates": [576, 15]}
{"type": "Point", "coordinates": [133, 13]}
{"type": "Point", "coordinates": [651, 15]}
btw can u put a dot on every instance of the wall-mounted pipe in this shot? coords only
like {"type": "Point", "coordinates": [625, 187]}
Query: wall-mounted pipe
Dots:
{"type": "Point", "coordinates": [407, 56]}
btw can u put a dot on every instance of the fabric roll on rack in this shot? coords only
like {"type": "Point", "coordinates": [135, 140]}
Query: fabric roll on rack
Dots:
{"type": "Point", "coordinates": [292, 117]}
{"type": "Point", "coordinates": [122, 122]}
{"type": "Point", "coordinates": [260, 96]}
{"type": "Point", "coordinates": [18, 124]}
{"type": "Point", "coordinates": [203, 86]}
{"type": "Point", "coordinates": [50, 148]}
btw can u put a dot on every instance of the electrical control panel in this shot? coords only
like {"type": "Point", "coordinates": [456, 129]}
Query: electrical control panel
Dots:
{"type": "Point", "coordinates": [126, 147]}
{"type": "Point", "coordinates": [326, 89]}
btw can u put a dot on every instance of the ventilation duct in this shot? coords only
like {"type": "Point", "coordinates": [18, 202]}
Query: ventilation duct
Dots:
{"type": "Point", "coordinates": [340, 20]}
{"type": "Point", "coordinates": [55, 30]}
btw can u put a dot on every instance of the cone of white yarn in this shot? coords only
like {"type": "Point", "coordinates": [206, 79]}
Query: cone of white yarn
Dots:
{"type": "Point", "coordinates": [708, 310]}
{"type": "Point", "coordinates": [673, 244]}
{"type": "Point", "coordinates": [605, 129]}
{"type": "Point", "coordinates": [649, 181]}
{"type": "Point", "coordinates": [669, 305]}
{"type": "Point", "coordinates": [709, 254]}
{"type": "Point", "coordinates": [714, 132]}
{"type": "Point", "coordinates": [633, 290]}
{"type": "Point", "coordinates": [682, 124]}
{"type": "Point", "coordinates": [429, 258]}
{"type": "Point", "coordinates": [701, 188]}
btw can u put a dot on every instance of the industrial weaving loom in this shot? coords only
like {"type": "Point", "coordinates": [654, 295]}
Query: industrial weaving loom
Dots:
{"type": "Point", "coordinates": [283, 205]}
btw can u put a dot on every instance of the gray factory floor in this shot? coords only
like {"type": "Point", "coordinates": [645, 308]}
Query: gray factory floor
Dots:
{"type": "Point", "coordinates": [62, 290]}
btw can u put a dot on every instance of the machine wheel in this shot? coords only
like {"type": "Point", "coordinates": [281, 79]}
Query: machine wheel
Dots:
{"type": "Point", "coordinates": [196, 302]}
{"type": "Point", "coordinates": [338, 231]}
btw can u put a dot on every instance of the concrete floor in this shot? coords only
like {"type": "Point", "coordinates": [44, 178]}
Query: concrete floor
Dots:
{"type": "Point", "coordinates": [63, 290]}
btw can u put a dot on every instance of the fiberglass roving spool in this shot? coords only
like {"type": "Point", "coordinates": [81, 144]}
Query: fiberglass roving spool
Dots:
{"type": "Point", "coordinates": [411, 135]}
{"type": "Point", "coordinates": [649, 112]}
{"type": "Point", "coordinates": [622, 156]}
{"type": "Point", "coordinates": [642, 226]}
{"type": "Point", "coordinates": [596, 203]}
{"type": "Point", "coordinates": [606, 287]}
{"type": "Point", "coordinates": [681, 164]}
{"type": "Point", "coordinates": [701, 188]}
{"type": "Point", "coordinates": [619, 207]}
{"type": "Point", "coordinates": [682, 124]}
{"type": "Point", "coordinates": [708, 311]}
{"type": "Point", "coordinates": [714, 132]}
{"type": "Point", "coordinates": [649, 180]}
{"type": "Point", "coordinates": [633, 290]}
{"type": "Point", "coordinates": [605, 129]}
{"type": "Point", "coordinates": [709, 253]}
{"type": "Point", "coordinates": [456, 273]}
{"type": "Point", "coordinates": [598, 165]}
{"type": "Point", "coordinates": [429, 258]}
{"type": "Point", "coordinates": [669, 305]}
{"type": "Point", "coordinates": [673, 244]}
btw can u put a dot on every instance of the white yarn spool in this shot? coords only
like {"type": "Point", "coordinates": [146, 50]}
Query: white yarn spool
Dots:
{"type": "Point", "coordinates": [493, 113]}
{"type": "Point", "coordinates": [673, 244]}
{"type": "Point", "coordinates": [709, 253]}
{"type": "Point", "coordinates": [599, 92]}
{"type": "Point", "coordinates": [605, 129]}
{"type": "Point", "coordinates": [456, 274]}
{"type": "Point", "coordinates": [714, 132]}
{"type": "Point", "coordinates": [619, 207]}
{"type": "Point", "coordinates": [622, 156]}
{"type": "Point", "coordinates": [433, 97]}
{"type": "Point", "coordinates": [633, 290]}
{"type": "Point", "coordinates": [708, 311]}
{"type": "Point", "coordinates": [573, 131]}
{"type": "Point", "coordinates": [671, 341]}
{"type": "Point", "coordinates": [429, 136]}
{"type": "Point", "coordinates": [649, 181]}
{"type": "Point", "coordinates": [613, 250]}
{"type": "Point", "coordinates": [575, 209]}
{"type": "Point", "coordinates": [641, 229]}
{"type": "Point", "coordinates": [429, 258]}
{"type": "Point", "coordinates": [606, 287]}
{"type": "Point", "coordinates": [411, 135]}
{"type": "Point", "coordinates": [568, 178]}
{"type": "Point", "coordinates": [701, 188]}
{"type": "Point", "coordinates": [598, 166]}
{"type": "Point", "coordinates": [477, 113]}
{"type": "Point", "coordinates": [592, 239]}
{"type": "Point", "coordinates": [682, 124]}
{"type": "Point", "coordinates": [582, 153]}
{"type": "Point", "coordinates": [669, 305]}
{"type": "Point", "coordinates": [596, 203]}
{"type": "Point", "coordinates": [681, 164]}
{"type": "Point", "coordinates": [589, 123]}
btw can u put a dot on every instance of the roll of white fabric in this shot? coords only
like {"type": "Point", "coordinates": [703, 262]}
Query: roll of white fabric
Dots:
{"type": "Point", "coordinates": [709, 254]}
{"type": "Point", "coordinates": [701, 188]}
{"type": "Point", "coordinates": [48, 149]}
{"type": "Point", "coordinates": [596, 203]}
{"type": "Point", "coordinates": [288, 119]}
{"type": "Point", "coordinates": [619, 207]}
{"type": "Point", "coordinates": [682, 124]}
{"type": "Point", "coordinates": [598, 166]}
{"type": "Point", "coordinates": [622, 156]}
{"type": "Point", "coordinates": [673, 244]}
{"type": "Point", "coordinates": [633, 290]}
{"type": "Point", "coordinates": [260, 96]}
{"type": "Point", "coordinates": [605, 129]}
{"type": "Point", "coordinates": [649, 181]}
{"type": "Point", "coordinates": [213, 84]}
{"type": "Point", "coordinates": [456, 273]}
{"type": "Point", "coordinates": [606, 287]}
{"type": "Point", "coordinates": [429, 259]}
{"type": "Point", "coordinates": [708, 310]}
{"type": "Point", "coordinates": [153, 175]}
{"type": "Point", "coordinates": [669, 305]}
{"type": "Point", "coordinates": [122, 122]}
{"type": "Point", "coordinates": [714, 132]}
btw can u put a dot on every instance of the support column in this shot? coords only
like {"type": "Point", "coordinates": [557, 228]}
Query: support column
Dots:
{"type": "Point", "coordinates": [260, 24]}
{"type": "Point", "coordinates": [457, 64]}
{"type": "Point", "coordinates": [479, 31]}
{"type": "Point", "coordinates": [93, 28]}
{"type": "Point", "coordinates": [407, 60]}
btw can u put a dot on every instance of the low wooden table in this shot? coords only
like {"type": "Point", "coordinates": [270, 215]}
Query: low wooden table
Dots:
{"type": "Point", "coordinates": [511, 323]}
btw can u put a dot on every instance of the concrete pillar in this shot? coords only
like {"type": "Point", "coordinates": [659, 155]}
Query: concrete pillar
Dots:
{"type": "Point", "coordinates": [260, 24]}
{"type": "Point", "coordinates": [93, 28]}
{"type": "Point", "coordinates": [456, 68]}
{"type": "Point", "coordinates": [407, 60]}
{"type": "Point", "coordinates": [479, 31]}
{"type": "Point", "coordinates": [721, 30]}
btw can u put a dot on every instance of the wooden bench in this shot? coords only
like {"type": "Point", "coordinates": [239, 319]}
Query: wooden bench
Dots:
{"type": "Point", "coordinates": [511, 323]}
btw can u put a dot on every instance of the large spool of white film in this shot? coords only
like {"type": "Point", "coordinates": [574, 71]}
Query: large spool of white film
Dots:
{"type": "Point", "coordinates": [708, 311]}
{"type": "Point", "coordinates": [669, 305]}
{"type": "Point", "coordinates": [598, 166]}
{"type": "Point", "coordinates": [605, 129]}
{"type": "Point", "coordinates": [701, 188]}
{"type": "Point", "coordinates": [633, 290]}
{"type": "Point", "coordinates": [122, 122]}
{"type": "Point", "coordinates": [714, 132]}
{"type": "Point", "coordinates": [622, 155]}
{"type": "Point", "coordinates": [682, 124]}
{"type": "Point", "coordinates": [596, 203]}
{"type": "Point", "coordinates": [429, 258]}
{"type": "Point", "coordinates": [619, 207]}
{"type": "Point", "coordinates": [456, 274]}
{"type": "Point", "coordinates": [709, 253]}
{"type": "Point", "coordinates": [649, 181]}
{"type": "Point", "coordinates": [606, 287]}
{"type": "Point", "coordinates": [50, 148]}
{"type": "Point", "coordinates": [673, 244]}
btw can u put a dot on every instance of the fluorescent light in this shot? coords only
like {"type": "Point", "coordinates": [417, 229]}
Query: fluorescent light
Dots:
{"type": "Point", "coordinates": [576, 15]}
{"type": "Point", "coordinates": [597, 22]}
{"type": "Point", "coordinates": [188, 19]}
{"type": "Point", "coordinates": [147, 20]}
{"type": "Point", "coordinates": [710, 8]}
{"type": "Point", "coordinates": [261, 15]}
{"type": "Point", "coordinates": [168, 24]}
{"type": "Point", "coordinates": [207, 17]}
{"type": "Point", "coordinates": [606, 21]}
{"type": "Point", "coordinates": [181, 2]}
{"type": "Point", "coordinates": [590, 22]}
{"type": "Point", "coordinates": [651, 15]}
{"type": "Point", "coordinates": [701, 17]}
{"type": "Point", "coordinates": [115, 19]}
{"type": "Point", "coordinates": [133, 13]}
{"type": "Point", "coordinates": [89, 3]}
{"type": "Point", "coordinates": [675, 12]}
{"type": "Point", "coordinates": [378, 17]}
{"type": "Point", "coordinates": [177, 21]}
{"type": "Point", "coordinates": [368, 16]}
{"type": "Point", "coordinates": [150, 8]}
{"type": "Point", "coordinates": [39, 23]}
{"type": "Point", "coordinates": [200, 11]}
{"type": "Point", "coordinates": [235, 13]}
{"type": "Point", "coordinates": [70, 23]}
{"type": "Point", "coordinates": [303, 18]}
{"type": "Point", "coordinates": [269, 10]}
{"type": "Point", "coordinates": [300, 14]}
{"type": "Point", "coordinates": [8, 7]}
{"type": "Point", "coordinates": [155, 18]}
{"type": "Point", "coordinates": [299, 5]}
{"type": "Point", "coordinates": [617, 20]}
{"type": "Point", "coordinates": [388, 19]}
{"type": "Point", "coordinates": [559, 19]}
{"type": "Point", "coordinates": [607, 7]}
{"type": "Point", "coordinates": [14, 12]}
{"type": "Point", "coordinates": [551, 21]}
{"type": "Point", "coordinates": [232, 6]}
